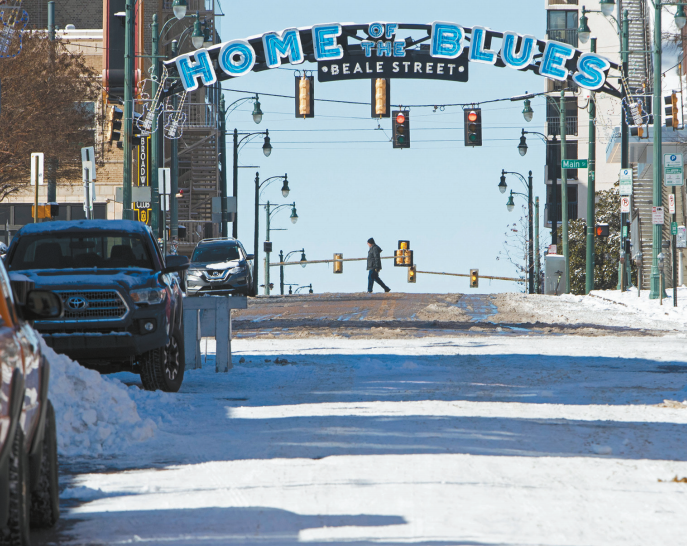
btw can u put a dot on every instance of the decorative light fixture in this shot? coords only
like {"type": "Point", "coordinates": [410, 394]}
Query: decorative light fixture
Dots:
{"type": "Point", "coordinates": [607, 7]}
{"type": "Point", "coordinates": [680, 17]}
{"type": "Point", "coordinates": [285, 188]}
{"type": "Point", "coordinates": [303, 259]}
{"type": "Point", "coordinates": [510, 204]}
{"type": "Point", "coordinates": [197, 38]}
{"type": "Point", "coordinates": [502, 185]}
{"type": "Point", "coordinates": [527, 112]}
{"type": "Point", "coordinates": [207, 35]}
{"type": "Point", "coordinates": [294, 215]}
{"type": "Point", "coordinates": [267, 147]}
{"type": "Point", "coordinates": [257, 113]}
{"type": "Point", "coordinates": [584, 32]}
{"type": "Point", "coordinates": [179, 8]}
{"type": "Point", "coordinates": [522, 147]}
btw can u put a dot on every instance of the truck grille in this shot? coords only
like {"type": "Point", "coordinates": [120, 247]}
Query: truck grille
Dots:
{"type": "Point", "coordinates": [93, 305]}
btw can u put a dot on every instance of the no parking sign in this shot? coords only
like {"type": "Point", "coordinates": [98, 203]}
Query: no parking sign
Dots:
{"type": "Point", "coordinates": [624, 204]}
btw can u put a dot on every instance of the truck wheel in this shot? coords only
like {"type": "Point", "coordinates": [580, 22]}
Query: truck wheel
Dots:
{"type": "Point", "coordinates": [163, 368]}
{"type": "Point", "coordinates": [45, 500]}
{"type": "Point", "coordinates": [16, 531]}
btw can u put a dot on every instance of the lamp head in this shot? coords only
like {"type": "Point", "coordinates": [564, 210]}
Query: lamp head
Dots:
{"type": "Point", "coordinates": [197, 38]}
{"type": "Point", "coordinates": [584, 32]}
{"type": "Point", "coordinates": [294, 215]}
{"type": "Point", "coordinates": [522, 147]}
{"type": "Point", "coordinates": [179, 8]}
{"type": "Point", "coordinates": [607, 7]}
{"type": "Point", "coordinates": [285, 187]}
{"type": "Point", "coordinates": [267, 147]}
{"type": "Point", "coordinates": [502, 185]}
{"type": "Point", "coordinates": [680, 17]}
{"type": "Point", "coordinates": [303, 259]}
{"type": "Point", "coordinates": [527, 112]}
{"type": "Point", "coordinates": [257, 112]}
{"type": "Point", "coordinates": [510, 204]}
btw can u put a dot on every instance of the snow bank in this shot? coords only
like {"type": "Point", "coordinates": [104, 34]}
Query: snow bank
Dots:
{"type": "Point", "coordinates": [95, 415]}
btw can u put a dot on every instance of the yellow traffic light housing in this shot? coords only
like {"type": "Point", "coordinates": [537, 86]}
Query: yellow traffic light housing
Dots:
{"type": "Point", "coordinates": [305, 97]}
{"type": "Point", "coordinates": [403, 256]}
{"type": "Point", "coordinates": [338, 263]}
{"type": "Point", "coordinates": [671, 110]}
{"type": "Point", "coordinates": [474, 278]}
{"type": "Point", "coordinates": [412, 274]}
{"type": "Point", "coordinates": [380, 99]}
{"type": "Point", "coordinates": [113, 123]}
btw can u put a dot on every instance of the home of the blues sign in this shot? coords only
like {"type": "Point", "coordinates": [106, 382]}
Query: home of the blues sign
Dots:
{"type": "Point", "coordinates": [443, 52]}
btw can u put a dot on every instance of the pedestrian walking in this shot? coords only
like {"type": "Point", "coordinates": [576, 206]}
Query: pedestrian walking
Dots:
{"type": "Point", "coordinates": [374, 265]}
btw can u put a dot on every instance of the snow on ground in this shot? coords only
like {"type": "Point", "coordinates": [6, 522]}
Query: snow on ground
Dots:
{"type": "Point", "coordinates": [498, 439]}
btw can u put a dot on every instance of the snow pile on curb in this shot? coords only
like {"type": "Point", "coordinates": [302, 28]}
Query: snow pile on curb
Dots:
{"type": "Point", "coordinates": [95, 415]}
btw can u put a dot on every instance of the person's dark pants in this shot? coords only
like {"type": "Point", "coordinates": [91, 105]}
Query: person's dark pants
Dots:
{"type": "Point", "coordinates": [372, 278]}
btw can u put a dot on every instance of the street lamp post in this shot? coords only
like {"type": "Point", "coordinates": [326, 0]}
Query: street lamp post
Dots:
{"type": "Point", "coordinates": [256, 234]}
{"type": "Point", "coordinates": [530, 215]}
{"type": "Point", "coordinates": [127, 211]}
{"type": "Point", "coordinates": [283, 259]}
{"type": "Point", "coordinates": [174, 172]}
{"type": "Point", "coordinates": [591, 191]}
{"type": "Point", "coordinates": [268, 217]}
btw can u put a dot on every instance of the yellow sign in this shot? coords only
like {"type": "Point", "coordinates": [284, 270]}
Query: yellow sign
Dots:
{"type": "Point", "coordinates": [142, 178]}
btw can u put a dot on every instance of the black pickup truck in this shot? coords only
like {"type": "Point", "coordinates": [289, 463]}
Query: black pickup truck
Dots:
{"type": "Point", "coordinates": [122, 300]}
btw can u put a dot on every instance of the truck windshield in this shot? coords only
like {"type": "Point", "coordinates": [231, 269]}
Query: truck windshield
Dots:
{"type": "Point", "coordinates": [216, 254]}
{"type": "Point", "coordinates": [78, 250]}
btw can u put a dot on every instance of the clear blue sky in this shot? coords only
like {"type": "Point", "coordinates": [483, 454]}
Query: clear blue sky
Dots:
{"type": "Point", "coordinates": [350, 184]}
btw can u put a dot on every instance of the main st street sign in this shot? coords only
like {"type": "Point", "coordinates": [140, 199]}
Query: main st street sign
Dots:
{"type": "Point", "coordinates": [439, 51]}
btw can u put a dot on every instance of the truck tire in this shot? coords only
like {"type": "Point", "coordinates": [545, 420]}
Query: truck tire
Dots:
{"type": "Point", "coordinates": [163, 368]}
{"type": "Point", "coordinates": [17, 529]}
{"type": "Point", "coordinates": [45, 499]}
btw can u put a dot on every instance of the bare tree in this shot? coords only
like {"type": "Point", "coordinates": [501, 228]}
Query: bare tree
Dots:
{"type": "Point", "coordinates": [48, 98]}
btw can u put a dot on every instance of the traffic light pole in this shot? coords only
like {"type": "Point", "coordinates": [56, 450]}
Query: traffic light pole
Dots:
{"type": "Point", "coordinates": [564, 193]}
{"type": "Point", "coordinates": [591, 190]}
{"type": "Point", "coordinates": [655, 283]}
{"type": "Point", "coordinates": [174, 175]}
{"type": "Point", "coordinates": [537, 265]}
{"type": "Point", "coordinates": [154, 134]}
{"type": "Point", "coordinates": [553, 175]}
{"type": "Point", "coordinates": [256, 235]}
{"type": "Point", "coordinates": [530, 214]}
{"type": "Point", "coordinates": [127, 211]}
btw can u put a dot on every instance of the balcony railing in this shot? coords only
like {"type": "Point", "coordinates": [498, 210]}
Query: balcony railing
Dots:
{"type": "Point", "coordinates": [572, 213]}
{"type": "Point", "coordinates": [567, 36]}
{"type": "Point", "coordinates": [200, 115]}
{"type": "Point", "coordinates": [198, 230]}
{"type": "Point", "coordinates": [557, 85]}
{"type": "Point", "coordinates": [554, 125]}
{"type": "Point", "coordinates": [193, 5]}
{"type": "Point", "coordinates": [563, 2]}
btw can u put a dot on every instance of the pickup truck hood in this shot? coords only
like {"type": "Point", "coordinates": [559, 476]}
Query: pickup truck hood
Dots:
{"type": "Point", "coordinates": [91, 278]}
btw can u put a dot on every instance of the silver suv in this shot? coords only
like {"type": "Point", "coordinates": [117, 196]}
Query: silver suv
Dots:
{"type": "Point", "coordinates": [220, 266]}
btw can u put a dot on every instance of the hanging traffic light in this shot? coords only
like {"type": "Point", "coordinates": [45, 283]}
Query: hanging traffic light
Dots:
{"type": "Point", "coordinates": [403, 256]}
{"type": "Point", "coordinates": [338, 263]}
{"type": "Point", "coordinates": [113, 124]}
{"type": "Point", "coordinates": [601, 230]}
{"type": "Point", "coordinates": [412, 274]}
{"type": "Point", "coordinates": [671, 110]}
{"type": "Point", "coordinates": [380, 100]}
{"type": "Point", "coordinates": [473, 127]}
{"type": "Point", "coordinates": [474, 278]}
{"type": "Point", "coordinates": [305, 96]}
{"type": "Point", "coordinates": [400, 133]}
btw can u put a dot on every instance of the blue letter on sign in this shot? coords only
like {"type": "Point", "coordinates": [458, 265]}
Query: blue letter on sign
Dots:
{"type": "Point", "coordinates": [237, 58]}
{"type": "Point", "coordinates": [324, 42]}
{"type": "Point", "coordinates": [553, 62]}
{"type": "Point", "coordinates": [592, 71]}
{"type": "Point", "coordinates": [508, 56]}
{"type": "Point", "coordinates": [287, 44]}
{"type": "Point", "coordinates": [447, 40]}
{"type": "Point", "coordinates": [477, 51]}
{"type": "Point", "coordinates": [202, 68]}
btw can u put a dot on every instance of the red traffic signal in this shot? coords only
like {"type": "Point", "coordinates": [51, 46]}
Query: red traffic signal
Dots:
{"type": "Point", "coordinates": [401, 129]}
{"type": "Point", "coordinates": [473, 127]}
{"type": "Point", "coordinates": [400, 119]}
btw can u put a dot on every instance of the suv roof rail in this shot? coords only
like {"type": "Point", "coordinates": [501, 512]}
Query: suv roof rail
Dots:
{"type": "Point", "coordinates": [227, 239]}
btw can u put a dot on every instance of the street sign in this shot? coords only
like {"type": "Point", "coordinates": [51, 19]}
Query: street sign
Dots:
{"type": "Point", "coordinates": [671, 204]}
{"type": "Point", "coordinates": [88, 161]}
{"type": "Point", "coordinates": [673, 228]}
{"type": "Point", "coordinates": [626, 182]}
{"type": "Point", "coordinates": [624, 204]}
{"type": "Point", "coordinates": [552, 249]}
{"type": "Point", "coordinates": [573, 164]}
{"type": "Point", "coordinates": [35, 155]}
{"type": "Point", "coordinates": [673, 170]}
{"type": "Point", "coordinates": [657, 215]}
{"type": "Point", "coordinates": [164, 181]}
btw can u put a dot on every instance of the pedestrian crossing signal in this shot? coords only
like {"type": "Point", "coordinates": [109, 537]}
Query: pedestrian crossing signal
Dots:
{"type": "Point", "coordinates": [338, 263]}
{"type": "Point", "coordinates": [474, 278]}
{"type": "Point", "coordinates": [400, 128]}
{"type": "Point", "coordinates": [601, 230]}
{"type": "Point", "coordinates": [412, 274]}
{"type": "Point", "coordinates": [403, 256]}
{"type": "Point", "coordinates": [473, 127]}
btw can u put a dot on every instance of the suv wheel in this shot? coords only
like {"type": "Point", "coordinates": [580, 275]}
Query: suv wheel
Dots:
{"type": "Point", "coordinates": [16, 532]}
{"type": "Point", "coordinates": [163, 368]}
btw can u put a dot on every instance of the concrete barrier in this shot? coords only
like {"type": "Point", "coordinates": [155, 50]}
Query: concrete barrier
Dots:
{"type": "Point", "coordinates": [210, 316]}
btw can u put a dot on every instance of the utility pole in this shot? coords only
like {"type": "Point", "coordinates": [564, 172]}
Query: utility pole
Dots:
{"type": "Point", "coordinates": [591, 189]}
{"type": "Point", "coordinates": [127, 211]}
{"type": "Point", "coordinates": [623, 270]}
{"type": "Point", "coordinates": [267, 253]}
{"type": "Point", "coordinates": [155, 134]}
{"type": "Point", "coordinates": [537, 263]}
{"type": "Point", "coordinates": [655, 285]}
{"type": "Point", "coordinates": [234, 227]}
{"type": "Point", "coordinates": [281, 273]}
{"type": "Point", "coordinates": [564, 194]}
{"type": "Point", "coordinates": [256, 234]}
{"type": "Point", "coordinates": [554, 164]}
{"type": "Point", "coordinates": [224, 191]}
{"type": "Point", "coordinates": [52, 162]}
{"type": "Point", "coordinates": [530, 214]}
{"type": "Point", "coordinates": [174, 175]}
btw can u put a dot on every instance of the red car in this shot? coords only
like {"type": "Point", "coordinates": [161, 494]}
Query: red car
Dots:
{"type": "Point", "coordinates": [28, 438]}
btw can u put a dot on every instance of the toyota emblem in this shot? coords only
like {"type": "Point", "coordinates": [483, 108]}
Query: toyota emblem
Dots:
{"type": "Point", "coordinates": [77, 303]}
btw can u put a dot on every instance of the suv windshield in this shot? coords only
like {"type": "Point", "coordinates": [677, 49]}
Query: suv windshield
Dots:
{"type": "Point", "coordinates": [216, 253]}
{"type": "Point", "coordinates": [77, 250]}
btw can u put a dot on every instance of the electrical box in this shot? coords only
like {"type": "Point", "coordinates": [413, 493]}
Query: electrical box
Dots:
{"type": "Point", "coordinates": [554, 282]}
{"type": "Point", "coordinates": [681, 238]}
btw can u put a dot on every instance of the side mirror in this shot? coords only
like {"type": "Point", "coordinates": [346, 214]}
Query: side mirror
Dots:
{"type": "Point", "coordinates": [42, 305]}
{"type": "Point", "coordinates": [175, 263]}
{"type": "Point", "coordinates": [250, 257]}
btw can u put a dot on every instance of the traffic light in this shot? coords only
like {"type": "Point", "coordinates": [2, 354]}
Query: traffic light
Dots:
{"type": "Point", "coordinates": [338, 263]}
{"type": "Point", "coordinates": [113, 124]}
{"type": "Point", "coordinates": [46, 211]}
{"type": "Point", "coordinates": [381, 98]}
{"type": "Point", "coordinates": [474, 278]}
{"type": "Point", "coordinates": [267, 247]}
{"type": "Point", "coordinates": [601, 230]}
{"type": "Point", "coordinates": [473, 127]}
{"type": "Point", "coordinates": [403, 256]}
{"type": "Point", "coordinates": [401, 129]}
{"type": "Point", "coordinates": [671, 110]}
{"type": "Point", "coordinates": [412, 274]}
{"type": "Point", "coordinates": [305, 97]}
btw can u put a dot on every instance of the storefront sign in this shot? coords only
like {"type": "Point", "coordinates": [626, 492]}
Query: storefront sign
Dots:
{"type": "Point", "coordinates": [143, 209]}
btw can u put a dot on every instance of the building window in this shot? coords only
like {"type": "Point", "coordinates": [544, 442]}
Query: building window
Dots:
{"type": "Point", "coordinates": [554, 156]}
{"type": "Point", "coordinates": [553, 117]}
{"type": "Point", "coordinates": [562, 26]}
{"type": "Point", "coordinates": [572, 203]}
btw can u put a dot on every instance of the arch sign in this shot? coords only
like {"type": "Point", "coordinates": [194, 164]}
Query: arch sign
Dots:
{"type": "Point", "coordinates": [440, 51]}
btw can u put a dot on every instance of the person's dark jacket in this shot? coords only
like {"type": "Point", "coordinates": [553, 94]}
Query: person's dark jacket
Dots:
{"type": "Point", "coordinates": [374, 258]}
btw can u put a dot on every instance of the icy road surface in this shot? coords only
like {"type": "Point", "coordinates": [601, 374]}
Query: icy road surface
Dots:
{"type": "Point", "coordinates": [475, 439]}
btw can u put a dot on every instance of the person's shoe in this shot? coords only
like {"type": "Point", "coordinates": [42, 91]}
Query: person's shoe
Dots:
{"type": "Point", "coordinates": [387, 290]}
